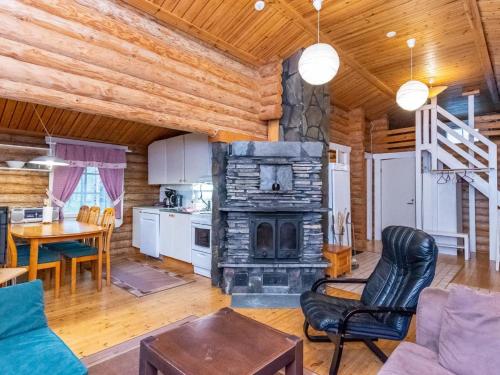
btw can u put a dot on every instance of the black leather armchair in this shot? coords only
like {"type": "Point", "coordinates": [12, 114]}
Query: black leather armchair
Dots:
{"type": "Point", "coordinates": [389, 299]}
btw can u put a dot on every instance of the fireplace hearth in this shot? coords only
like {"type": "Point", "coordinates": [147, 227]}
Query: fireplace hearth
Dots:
{"type": "Point", "coordinates": [271, 234]}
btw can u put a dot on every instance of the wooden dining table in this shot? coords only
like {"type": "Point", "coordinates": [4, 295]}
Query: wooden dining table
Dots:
{"type": "Point", "coordinates": [40, 233]}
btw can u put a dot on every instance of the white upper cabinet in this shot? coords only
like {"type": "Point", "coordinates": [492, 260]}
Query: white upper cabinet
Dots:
{"type": "Point", "coordinates": [180, 160]}
{"type": "Point", "coordinates": [175, 160]}
{"type": "Point", "coordinates": [198, 158]}
{"type": "Point", "coordinates": [157, 159]}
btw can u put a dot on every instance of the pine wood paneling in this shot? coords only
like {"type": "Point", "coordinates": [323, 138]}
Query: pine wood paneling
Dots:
{"type": "Point", "coordinates": [27, 189]}
{"type": "Point", "coordinates": [490, 16]}
{"type": "Point", "coordinates": [19, 118]}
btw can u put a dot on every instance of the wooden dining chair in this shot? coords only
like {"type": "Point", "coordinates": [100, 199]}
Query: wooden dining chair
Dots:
{"type": "Point", "coordinates": [83, 214]}
{"type": "Point", "coordinates": [19, 256]}
{"type": "Point", "coordinates": [90, 253]}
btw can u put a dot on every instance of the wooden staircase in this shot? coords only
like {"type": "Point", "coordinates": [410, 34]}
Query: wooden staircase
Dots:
{"type": "Point", "coordinates": [449, 146]}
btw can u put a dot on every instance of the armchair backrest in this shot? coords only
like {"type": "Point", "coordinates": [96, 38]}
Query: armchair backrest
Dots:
{"type": "Point", "coordinates": [406, 267]}
{"type": "Point", "coordinates": [21, 309]}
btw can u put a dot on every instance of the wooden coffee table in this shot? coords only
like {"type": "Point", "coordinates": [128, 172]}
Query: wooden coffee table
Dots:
{"type": "Point", "coordinates": [222, 343]}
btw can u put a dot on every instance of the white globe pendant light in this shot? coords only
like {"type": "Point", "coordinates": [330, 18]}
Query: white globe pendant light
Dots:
{"type": "Point", "coordinates": [319, 63]}
{"type": "Point", "coordinates": [412, 94]}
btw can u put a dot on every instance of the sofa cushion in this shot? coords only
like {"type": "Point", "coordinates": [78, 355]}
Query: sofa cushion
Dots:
{"type": "Point", "coordinates": [470, 333]}
{"type": "Point", "coordinates": [21, 309]}
{"type": "Point", "coordinates": [38, 352]}
{"type": "Point", "coordinates": [413, 359]}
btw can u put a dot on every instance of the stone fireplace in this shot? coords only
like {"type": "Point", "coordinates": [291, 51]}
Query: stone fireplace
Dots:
{"type": "Point", "coordinates": [270, 229]}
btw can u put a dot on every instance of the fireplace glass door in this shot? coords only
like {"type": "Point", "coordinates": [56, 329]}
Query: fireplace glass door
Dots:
{"type": "Point", "coordinates": [276, 236]}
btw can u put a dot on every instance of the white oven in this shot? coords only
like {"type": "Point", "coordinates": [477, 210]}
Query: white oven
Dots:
{"type": "Point", "coordinates": [201, 243]}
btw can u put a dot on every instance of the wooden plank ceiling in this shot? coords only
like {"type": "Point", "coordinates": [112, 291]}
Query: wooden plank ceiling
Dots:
{"type": "Point", "coordinates": [20, 118]}
{"type": "Point", "coordinates": [373, 66]}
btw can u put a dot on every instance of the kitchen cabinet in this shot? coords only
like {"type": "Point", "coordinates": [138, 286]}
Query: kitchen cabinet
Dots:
{"type": "Point", "coordinates": [136, 227]}
{"type": "Point", "coordinates": [157, 162]}
{"type": "Point", "coordinates": [175, 236]}
{"type": "Point", "coordinates": [198, 158]}
{"type": "Point", "coordinates": [185, 159]}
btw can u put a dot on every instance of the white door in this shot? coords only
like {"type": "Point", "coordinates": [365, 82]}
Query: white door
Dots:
{"type": "Point", "coordinates": [175, 160]}
{"type": "Point", "coordinates": [398, 192]}
{"type": "Point", "coordinates": [150, 230]}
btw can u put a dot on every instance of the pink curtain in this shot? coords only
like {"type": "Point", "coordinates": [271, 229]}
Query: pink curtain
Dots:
{"type": "Point", "coordinates": [112, 179]}
{"type": "Point", "coordinates": [110, 162]}
{"type": "Point", "coordinates": [64, 184]}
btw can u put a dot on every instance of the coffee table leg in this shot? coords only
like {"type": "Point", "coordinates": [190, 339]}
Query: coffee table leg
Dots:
{"type": "Point", "coordinates": [146, 368]}
{"type": "Point", "coordinates": [297, 366]}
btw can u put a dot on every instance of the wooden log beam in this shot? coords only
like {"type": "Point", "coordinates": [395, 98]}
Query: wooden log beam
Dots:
{"type": "Point", "coordinates": [40, 76]}
{"type": "Point", "coordinates": [34, 55]}
{"type": "Point", "coordinates": [79, 22]}
{"type": "Point", "coordinates": [29, 93]}
{"type": "Point", "coordinates": [474, 18]}
{"type": "Point", "coordinates": [34, 35]}
{"type": "Point", "coordinates": [290, 12]}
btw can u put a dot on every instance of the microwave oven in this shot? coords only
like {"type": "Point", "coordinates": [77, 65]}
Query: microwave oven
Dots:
{"type": "Point", "coordinates": [19, 215]}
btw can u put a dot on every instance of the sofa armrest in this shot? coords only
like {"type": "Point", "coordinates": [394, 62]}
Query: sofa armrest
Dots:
{"type": "Point", "coordinates": [21, 309]}
{"type": "Point", "coordinates": [429, 313]}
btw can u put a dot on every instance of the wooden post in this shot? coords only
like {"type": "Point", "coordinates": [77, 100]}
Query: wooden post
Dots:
{"type": "Point", "coordinates": [273, 130]}
{"type": "Point", "coordinates": [472, 190]}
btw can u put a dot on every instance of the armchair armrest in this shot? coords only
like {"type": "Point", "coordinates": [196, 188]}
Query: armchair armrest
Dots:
{"type": "Point", "coordinates": [348, 314]}
{"type": "Point", "coordinates": [327, 280]}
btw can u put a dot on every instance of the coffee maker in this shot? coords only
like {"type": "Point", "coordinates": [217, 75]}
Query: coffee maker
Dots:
{"type": "Point", "coordinates": [172, 199]}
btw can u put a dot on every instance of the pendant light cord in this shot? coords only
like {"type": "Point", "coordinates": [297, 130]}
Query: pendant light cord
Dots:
{"type": "Point", "coordinates": [411, 63]}
{"type": "Point", "coordinates": [41, 122]}
{"type": "Point", "coordinates": [44, 128]}
{"type": "Point", "coordinates": [318, 26]}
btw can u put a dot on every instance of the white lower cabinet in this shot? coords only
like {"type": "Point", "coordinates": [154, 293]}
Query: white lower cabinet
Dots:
{"type": "Point", "coordinates": [175, 236]}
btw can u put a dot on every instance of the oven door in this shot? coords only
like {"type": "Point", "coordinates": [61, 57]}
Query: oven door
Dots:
{"type": "Point", "coordinates": [201, 237]}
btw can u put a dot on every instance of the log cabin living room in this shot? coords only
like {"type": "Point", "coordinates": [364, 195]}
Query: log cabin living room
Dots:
{"type": "Point", "coordinates": [249, 187]}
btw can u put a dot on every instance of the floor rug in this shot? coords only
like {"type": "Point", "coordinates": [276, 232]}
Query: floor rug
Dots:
{"type": "Point", "coordinates": [123, 359]}
{"type": "Point", "coordinates": [141, 279]}
{"type": "Point", "coordinates": [445, 273]}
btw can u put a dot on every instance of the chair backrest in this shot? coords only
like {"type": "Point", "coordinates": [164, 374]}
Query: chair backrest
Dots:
{"type": "Point", "coordinates": [83, 214]}
{"type": "Point", "coordinates": [94, 214]}
{"type": "Point", "coordinates": [11, 251]}
{"type": "Point", "coordinates": [108, 222]}
{"type": "Point", "coordinates": [407, 266]}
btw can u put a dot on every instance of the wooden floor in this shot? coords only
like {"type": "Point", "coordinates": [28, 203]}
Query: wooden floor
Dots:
{"type": "Point", "coordinates": [90, 321]}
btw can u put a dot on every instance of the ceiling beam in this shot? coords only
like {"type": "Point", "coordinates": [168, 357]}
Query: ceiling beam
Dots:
{"type": "Point", "coordinates": [295, 16]}
{"type": "Point", "coordinates": [474, 18]}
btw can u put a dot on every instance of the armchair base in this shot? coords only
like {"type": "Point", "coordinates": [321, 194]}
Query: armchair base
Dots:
{"type": "Point", "coordinates": [339, 340]}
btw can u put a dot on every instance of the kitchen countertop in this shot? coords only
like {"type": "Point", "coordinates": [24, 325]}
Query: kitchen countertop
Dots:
{"type": "Point", "coordinates": [173, 210]}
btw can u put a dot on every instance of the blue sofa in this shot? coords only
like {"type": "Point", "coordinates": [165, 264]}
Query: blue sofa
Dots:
{"type": "Point", "coordinates": [27, 344]}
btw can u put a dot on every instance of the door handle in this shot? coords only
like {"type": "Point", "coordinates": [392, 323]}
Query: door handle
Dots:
{"type": "Point", "coordinates": [411, 202]}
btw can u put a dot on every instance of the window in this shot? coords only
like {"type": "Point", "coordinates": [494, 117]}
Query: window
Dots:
{"type": "Point", "coordinates": [90, 191]}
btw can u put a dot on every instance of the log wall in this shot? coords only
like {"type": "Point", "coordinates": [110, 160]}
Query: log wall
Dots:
{"type": "Point", "coordinates": [27, 189]}
{"type": "Point", "coordinates": [489, 126]}
{"type": "Point", "coordinates": [349, 128]}
{"type": "Point", "coordinates": [103, 57]}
